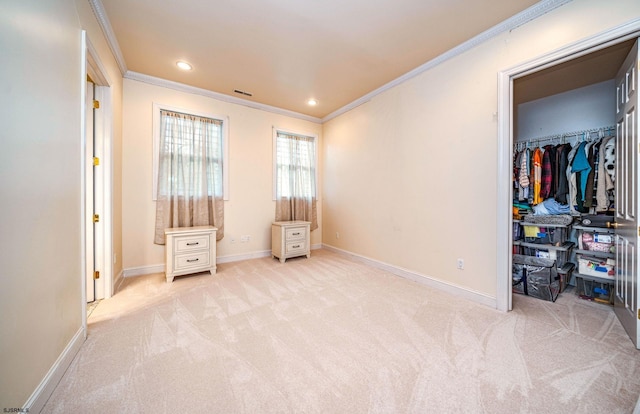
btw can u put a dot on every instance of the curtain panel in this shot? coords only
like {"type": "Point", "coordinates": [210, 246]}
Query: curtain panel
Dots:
{"type": "Point", "coordinates": [296, 178]}
{"type": "Point", "coordinates": [189, 174]}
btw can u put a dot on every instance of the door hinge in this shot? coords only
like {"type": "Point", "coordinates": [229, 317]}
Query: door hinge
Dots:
{"type": "Point", "coordinates": [96, 104]}
{"type": "Point", "coordinates": [96, 161]}
{"type": "Point", "coordinates": [638, 313]}
{"type": "Point", "coordinates": [96, 218]}
{"type": "Point", "coordinates": [96, 275]}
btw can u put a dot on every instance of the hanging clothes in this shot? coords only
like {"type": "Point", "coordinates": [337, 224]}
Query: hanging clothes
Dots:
{"type": "Point", "coordinates": [537, 176]}
{"type": "Point", "coordinates": [546, 189]}
{"type": "Point", "coordinates": [581, 168]}
{"type": "Point", "coordinates": [562, 192]}
{"type": "Point", "coordinates": [589, 196]}
{"type": "Point", "coordinates": [524, 174]}
{"type": "Point", "coordinates": [605, 180]}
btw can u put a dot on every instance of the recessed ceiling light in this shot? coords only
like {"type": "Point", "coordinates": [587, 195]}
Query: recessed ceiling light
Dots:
{"type": "Point", "coordinates": [312, 102]}
{"type": "Point", "coordinates": [184, 65]}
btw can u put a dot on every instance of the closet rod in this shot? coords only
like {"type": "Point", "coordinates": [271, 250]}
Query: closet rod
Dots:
{"type": "Point", "coordinates": [602, 132]}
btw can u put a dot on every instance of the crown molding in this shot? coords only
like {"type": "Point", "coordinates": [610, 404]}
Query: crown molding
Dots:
{"type": "Point", "coordinates": [105, 25]}
{"type": "Point", "coordinates": [140, 77]}
{"type": "Point", "coordinates": [511, 23]}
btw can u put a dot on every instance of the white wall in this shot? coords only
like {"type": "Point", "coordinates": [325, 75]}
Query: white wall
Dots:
{"type": "Point", "coordinates": [585, 108]}
{"type": "Point", "coordinates": [250, 209]}
{"type": "Point", "coordinates": [410, 177]}
{"type": "Point", "coordinates": [40, 295]}
{"type": "Point", "coordinates": [40, 176]}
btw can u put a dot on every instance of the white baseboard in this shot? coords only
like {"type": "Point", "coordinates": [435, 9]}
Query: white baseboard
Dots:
{"type": "Point", "coordinates": [39, 397]}
{"type": "Point", "coordinates": [420, 278]}
{"type": "Point", "coordinates": [143, 270]}
{"type": "Point", "coordinates": [118, 282]}
{"type": "Point", "coordinates": [159, 268]}
{"type": "Point", "coordinates": [243, 256]}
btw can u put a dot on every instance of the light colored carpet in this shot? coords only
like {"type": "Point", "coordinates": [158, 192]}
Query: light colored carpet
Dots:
{"type": "Point", "coordinates": [331, 335]}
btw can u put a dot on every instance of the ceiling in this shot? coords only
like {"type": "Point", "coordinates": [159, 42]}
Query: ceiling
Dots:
{"type": "Point", "coordinates": [586, 70]}
{"type": "Point", "coordinates": [285, 52]}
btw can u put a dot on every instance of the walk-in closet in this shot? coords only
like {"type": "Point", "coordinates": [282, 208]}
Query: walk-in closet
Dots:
{"type": "Point", "coordinates": [566, 124]}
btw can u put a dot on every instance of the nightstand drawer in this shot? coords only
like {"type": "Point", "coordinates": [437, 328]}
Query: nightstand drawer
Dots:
{"type": "Point", "coordinates": [190, 243]}
{"type": "Point", "coordinates": [296, 233]}
{"type": "Point", "coordinates": [195, 260]}
{"type": "Point", "coordinates": [296, 246]}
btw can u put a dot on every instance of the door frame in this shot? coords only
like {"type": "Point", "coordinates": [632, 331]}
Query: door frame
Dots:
{"type": "Point", "coordinates": [504, 217]}
{"type": "Point", "coordinates": [92, 66]}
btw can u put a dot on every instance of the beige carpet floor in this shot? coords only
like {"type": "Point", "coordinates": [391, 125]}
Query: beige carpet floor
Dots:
{"type": "Point", "coordinates": [332, 335]}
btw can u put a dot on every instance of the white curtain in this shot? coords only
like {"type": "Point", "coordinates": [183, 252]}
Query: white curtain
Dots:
{"type": "Point", "coordinates": [190, 161]}
{"type": "Point", "coordinates": [296, 178]}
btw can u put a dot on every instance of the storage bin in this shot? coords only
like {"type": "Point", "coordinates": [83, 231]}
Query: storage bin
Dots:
{"type": "Point", "coordinates": [593, 266]}
{"type": "Point", "coordinates": [596, 242]}
{"type": "Point", "coordinates": [560, 255]}
{"type": "Point", "coordinates": [540, 234]}
{"type": "Point", "coordinates": [598, 291]}
{"type": "Point", "coordinates": [537, 277]}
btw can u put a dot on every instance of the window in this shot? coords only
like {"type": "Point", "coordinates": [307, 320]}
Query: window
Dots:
{"type": "Point", "coordinates": [295, 176]}
{"type": "Point", "coordinates": [294, 166]}
{"type": "Point", "coordinates": [190, 171]}
{"type": "Point", "coordinates": [167, 121]}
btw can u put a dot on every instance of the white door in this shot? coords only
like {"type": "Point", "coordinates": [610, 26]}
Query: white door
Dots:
{"type": "Point", "coordinates": [627, 198]}
{"type": "Point", "coordinates": [89, 198]}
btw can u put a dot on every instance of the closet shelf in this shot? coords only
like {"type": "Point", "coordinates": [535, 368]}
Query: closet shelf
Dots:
{"type": "Point", "coordinates": [593, 253]}
{"type": "Point", "coordinates": [566, 246]}
{"type": "Point", "coordinates": [588, 229]}
{"type": "Point", "coordinates": [548, 226]}
{"type": "Point", "coordinates": [595, 278]}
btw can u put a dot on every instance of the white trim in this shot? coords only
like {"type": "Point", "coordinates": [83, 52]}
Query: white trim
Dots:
{"type": "Point", "coordinates": [458, 291]}
{"type": "Point", "coordinates": [504, 231]}
{"type": "Point", "coordinates": [582, 47]}
{"type": "Point", "coordinates": [104, 150]}
{"type": "Point", "coordinates": [159, 268]}
{"type": "Point", "coordinates": [274, 149]}
{"type": "Point", "coordinates": [511, 23]}
{"type": "Point", "coordinates": [83, 180]}
{"type": "Point", "coordinates": [156, 144]}
{"type": "Point", "coordinates": [104, 124]}
{"type": "Point", "coordinates": [117, 284]}
{"type": "Point", "coordinates": [105, 25]}
{"type": "Point", "coordinates": [96, 69]}
{"type": "Point", "coordinates": [43, 391]}
{"type": "Point", "coordinates": [181, 87]}
{"type": "Point", "coordinates": [143, 270]}
{"type": "Point", "coordinates": [243, 256]}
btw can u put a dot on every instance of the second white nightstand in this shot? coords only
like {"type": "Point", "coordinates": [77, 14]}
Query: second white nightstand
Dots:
{"type": "Point", "coordinates": [290, 239]}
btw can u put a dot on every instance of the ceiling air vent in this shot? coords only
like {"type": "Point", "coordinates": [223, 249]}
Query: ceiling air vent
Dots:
{"type": "Point", "coordinates": [242, 92]}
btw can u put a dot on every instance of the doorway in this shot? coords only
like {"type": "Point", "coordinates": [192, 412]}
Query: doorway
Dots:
{"type": "Point", "coordinates": [507, 114]}
{"type": "Point", "coordinates": [97, 282]}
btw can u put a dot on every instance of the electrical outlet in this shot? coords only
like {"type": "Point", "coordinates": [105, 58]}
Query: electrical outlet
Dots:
{"type": "Point", "coordinates": [460, 264]}
{"type": "Point", "coordinates": [337, 235]}
{"type": "Point", "coordinates": [245, 239]}
{"type": "Point", "coordinates": [233, 240]}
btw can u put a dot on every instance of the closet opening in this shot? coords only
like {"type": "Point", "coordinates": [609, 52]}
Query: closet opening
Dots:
{"type": "Point", "coordinates": [566, 98]}
{"type": "Point", "coordinates": [564, 171]}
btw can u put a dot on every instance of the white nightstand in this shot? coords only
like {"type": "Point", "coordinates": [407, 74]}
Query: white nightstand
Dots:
{"type": "Point", "coordinates": [190, 250]}
{"type": "Point", "coordinates": [290, 239]}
